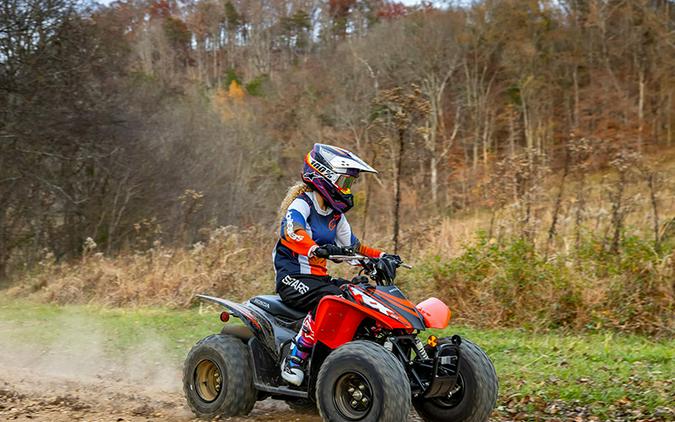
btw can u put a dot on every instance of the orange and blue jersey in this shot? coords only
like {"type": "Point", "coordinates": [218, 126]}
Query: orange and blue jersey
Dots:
{"type": "Point", "coordinates": [304, 228]}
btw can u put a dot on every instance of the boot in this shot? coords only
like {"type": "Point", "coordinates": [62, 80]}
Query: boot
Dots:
{"type": "Point", "coordinates": [292, 368]}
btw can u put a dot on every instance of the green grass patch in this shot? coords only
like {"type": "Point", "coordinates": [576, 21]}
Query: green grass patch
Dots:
{"type": "Point", "coordinates": [119, 328]}
{"type": "Point", "coordinates": [607, 374]}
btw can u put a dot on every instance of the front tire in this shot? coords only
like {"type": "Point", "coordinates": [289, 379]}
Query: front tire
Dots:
{"type": "Point", "coordinates": [218, 378]}
{"type": "Point", "coordinates": [475, 396]}
{"type": "Point", "coordinates": [362, 381]}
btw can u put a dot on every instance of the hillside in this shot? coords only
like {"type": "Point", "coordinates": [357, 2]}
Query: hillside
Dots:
{"type": "Point", "coordinates": [490, 276]}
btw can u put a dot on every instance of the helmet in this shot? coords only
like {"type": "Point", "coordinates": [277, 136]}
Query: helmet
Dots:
{"type": "Point", "coordinates": [331, 171]}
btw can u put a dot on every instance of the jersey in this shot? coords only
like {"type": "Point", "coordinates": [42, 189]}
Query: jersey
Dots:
{"type": "Point", "coordinates": [304, 228]}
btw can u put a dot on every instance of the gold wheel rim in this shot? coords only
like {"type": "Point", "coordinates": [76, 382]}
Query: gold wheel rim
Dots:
{"type": "Point", "coordinates": [208, 380]}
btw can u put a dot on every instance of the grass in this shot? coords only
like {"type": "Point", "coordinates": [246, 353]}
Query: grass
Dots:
{"type": "Point", "coordinates": [605, 375]}
{"type": "Point", "coordinates": [30, 323]}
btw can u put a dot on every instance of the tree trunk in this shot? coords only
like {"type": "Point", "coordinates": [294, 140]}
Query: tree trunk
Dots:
{"type": "Point", "coordinates": [366, 189]}
{"type": "Point", "coordinates": [579, 214]}
{"type": "Point", "coordinates": [512, 133]}
{"type": "Point", "coordinates": [669, 121]}
{"type": "Point", "coordinates": [474, 154]}
{"type": "Point", "coordinates": [215, 62]}
{"type": "Point", "coordinates": [397, 188]}
{"type": "Point", "coordinates": [655, 211]}
{"type": "Point", "coordinates": [558, 202]}
{"type": "Point", "coordinates": [486, 141]}
{"type": "Point", "coordinates": [4, 248]}
{"type": "Point", "coordinates": [618, 213]}
{"type": "Point", "coordinates": [434, 178]}
{"type": "Point", "coordinates": [575, 78]}
{"type": "Point", "coordinates": [641, 109]}
{"type": "Point", "coordinates": [4, 258]}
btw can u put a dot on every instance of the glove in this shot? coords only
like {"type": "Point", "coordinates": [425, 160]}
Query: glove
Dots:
{"type": "Point", "coordinates": [360, 279]}
{"type": "Point", "coordinates": [327, 250]}
{"type": "Point", "coordinates": [386, 268]}
{"type": "Point", "coordinates": [393, 258]}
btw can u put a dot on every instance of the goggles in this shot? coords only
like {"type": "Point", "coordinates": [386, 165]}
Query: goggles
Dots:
{"type": "Point", "coordinates": [344, 183]}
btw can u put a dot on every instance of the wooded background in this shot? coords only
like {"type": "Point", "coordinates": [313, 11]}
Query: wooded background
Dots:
{"type": "Point", "coordinates": [157, 121]}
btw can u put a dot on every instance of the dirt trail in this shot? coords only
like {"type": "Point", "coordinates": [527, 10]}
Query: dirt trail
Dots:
{"type": "Point", "coordinates": [30, 395]}
{"type": "Point", "coordinates": [82, 373]}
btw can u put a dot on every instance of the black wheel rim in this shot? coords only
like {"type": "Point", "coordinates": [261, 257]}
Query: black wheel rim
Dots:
{"type": "Point", "coordinates": [455, 396]}
{"type": "Point", "coordinates": [353, 396]}
{"type": "Point", "coordinates": [208, 380]}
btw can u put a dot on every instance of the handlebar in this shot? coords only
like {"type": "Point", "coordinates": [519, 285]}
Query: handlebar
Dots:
{"type": "Point", "coordinates": [347, 258]}
{"type": "Point", "coordinates": [343, 258]}
{"type": "Point", "coordinates": [372, 267]}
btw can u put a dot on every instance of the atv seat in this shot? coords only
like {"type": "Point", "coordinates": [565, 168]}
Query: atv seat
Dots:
{"type": "Point", "coordinates": [275, 306]}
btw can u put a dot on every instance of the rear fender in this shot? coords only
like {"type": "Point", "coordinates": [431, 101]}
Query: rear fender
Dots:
{"type": "Point", "coordinates": [242, 332]}
{"type": "Point", "coordinates": [337, 320]}
{"type": "Point", "coordinates": [255, 321]}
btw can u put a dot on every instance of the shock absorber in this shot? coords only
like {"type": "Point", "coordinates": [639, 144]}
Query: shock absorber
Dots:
{"type": "Point", "coordinates": [419, 349]}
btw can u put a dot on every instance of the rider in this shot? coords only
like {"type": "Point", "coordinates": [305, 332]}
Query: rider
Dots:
{"type": "Point", "coordinates": [313, 228]}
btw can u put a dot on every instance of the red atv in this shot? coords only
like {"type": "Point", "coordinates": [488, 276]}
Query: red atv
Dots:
{"type": "Point", "coordinates": [368, 363]}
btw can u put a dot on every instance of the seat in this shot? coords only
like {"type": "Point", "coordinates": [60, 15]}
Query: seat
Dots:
{"type": "Point", "coordinates": [275, 306]}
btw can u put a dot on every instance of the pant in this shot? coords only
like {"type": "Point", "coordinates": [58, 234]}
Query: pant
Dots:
{"type": "Point", "coordinates": [304, 292]}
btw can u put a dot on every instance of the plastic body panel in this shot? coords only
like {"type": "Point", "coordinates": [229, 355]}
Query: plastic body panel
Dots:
{"type": "Point", "coordinates": [394, 299]}
{"type": "Point", "coordinates": [436, 313]}
{"type": "Point", "coordinates": [260, 325]}
{"type": "Point", "coordinates": [337, 320]}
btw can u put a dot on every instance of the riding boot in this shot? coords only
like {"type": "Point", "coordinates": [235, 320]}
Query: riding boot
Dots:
{"type": "Point", "coordinates": [292, 369]}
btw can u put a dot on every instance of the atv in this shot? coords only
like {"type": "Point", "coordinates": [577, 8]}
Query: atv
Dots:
{"type": "Point", "coordinates": [368, 363]}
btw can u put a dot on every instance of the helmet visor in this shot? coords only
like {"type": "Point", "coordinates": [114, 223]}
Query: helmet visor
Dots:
{"type": "Point", "coordinates": [345, 182]}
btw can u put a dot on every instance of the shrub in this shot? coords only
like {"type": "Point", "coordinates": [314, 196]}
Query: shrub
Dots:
{"type": "Point", "coordinates": [232, 263]}
{"type": "Point", "coordinates": [491, 283]}
{"type": "Point", "coordinates": [509, 283]}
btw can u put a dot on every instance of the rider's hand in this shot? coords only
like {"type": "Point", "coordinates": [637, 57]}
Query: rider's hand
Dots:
{"type": "Point", "coordinates": [360, 279]}
{"type": "Point", "coordinates": [394, 258]}
{"type": "Point", "coordinates": [327, 250]}
{"type": "Point", "coordinates": [386, 267]}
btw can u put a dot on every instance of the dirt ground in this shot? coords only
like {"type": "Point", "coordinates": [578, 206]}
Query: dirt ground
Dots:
{"type": "Point", "coordinates": [29, 396]}
{"type": "Point", "coordinates": [74, 377]}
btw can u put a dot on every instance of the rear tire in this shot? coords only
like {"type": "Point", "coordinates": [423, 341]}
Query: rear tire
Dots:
{"type": "Point", "coordinates": [218, 378]}
{"type": "Point", "coordinates": [477, 395]}
{"type": "Point", "coordinates": [362, 381]}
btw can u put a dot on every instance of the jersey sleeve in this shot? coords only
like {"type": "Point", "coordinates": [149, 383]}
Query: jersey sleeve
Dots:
{"type": "Point", "coordinates": [346, 238]}
{"type": "Point", "coordinates": [294, 229]}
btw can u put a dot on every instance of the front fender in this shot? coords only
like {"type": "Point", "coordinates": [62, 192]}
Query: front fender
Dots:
{"type": "Point", "coordinates": [436, 313]}
{"type": "Point", "coordinates": [337, 320]}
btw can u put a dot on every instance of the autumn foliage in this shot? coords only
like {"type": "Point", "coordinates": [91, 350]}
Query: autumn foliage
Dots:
{"type": "Point", "coordinates": [534, 121]}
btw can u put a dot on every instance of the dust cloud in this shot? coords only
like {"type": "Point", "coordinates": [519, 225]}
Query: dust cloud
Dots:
{"type": "Point", "coordinates": [82, 350]}
{"type": "Point", "coordinates": [82, 371]}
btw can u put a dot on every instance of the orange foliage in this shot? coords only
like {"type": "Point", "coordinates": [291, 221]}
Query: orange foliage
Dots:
{"type": "Point", "coordinates": [235, 91]}
{"type": "Point", "coordinates": [224, 100]}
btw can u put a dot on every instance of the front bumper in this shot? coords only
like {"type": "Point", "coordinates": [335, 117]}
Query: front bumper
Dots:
{"type": "Point", "coordinates": [432, 376]}
{"type": "Point", "coordinates": [445, 369]}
